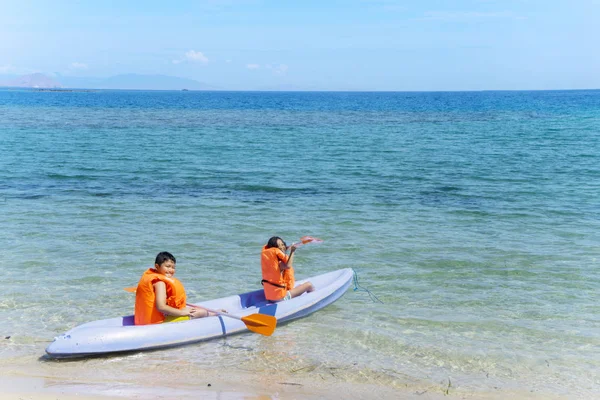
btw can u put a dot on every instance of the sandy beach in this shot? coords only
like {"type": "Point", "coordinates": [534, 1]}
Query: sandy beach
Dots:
{"type": "Point", "coordinates": [39, 383]}
{"type": "Point", "coordinates": [218, 385]}
{"type": "Point", "coordinates": [37, 388]}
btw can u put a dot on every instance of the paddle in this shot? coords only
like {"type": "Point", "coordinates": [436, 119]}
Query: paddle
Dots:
{"type": "Point", "coordinates": [259, 323]}
{"type": "Point", "coordinates": [306, 240]}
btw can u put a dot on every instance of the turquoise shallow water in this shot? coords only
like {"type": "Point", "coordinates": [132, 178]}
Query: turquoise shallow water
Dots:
{"type": "Point", "coordinates": [473, 217]}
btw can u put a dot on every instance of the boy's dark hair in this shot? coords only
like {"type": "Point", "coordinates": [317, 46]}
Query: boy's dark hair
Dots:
{"type": "Point", "coordinates": [273, 242]}
{"type": "Point", "coordinates": [164, 256]}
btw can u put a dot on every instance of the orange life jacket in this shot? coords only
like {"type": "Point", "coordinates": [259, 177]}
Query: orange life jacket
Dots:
{"type": "Point", "coordinates": [276, 283]}
{"type": "Point", "coordinates": [288, 278]}
{"type": "Point", "coordinates": [145, 298]}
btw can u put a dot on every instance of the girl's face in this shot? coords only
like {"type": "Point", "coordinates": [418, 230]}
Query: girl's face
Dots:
{"type": "Point", "coordinates": [281, 245]}
{"type": "Point", "coordinates": [167, 268]}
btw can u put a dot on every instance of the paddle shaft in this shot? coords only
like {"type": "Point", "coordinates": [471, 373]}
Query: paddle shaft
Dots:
{"type": "Point", "coordinates": [216, 312]}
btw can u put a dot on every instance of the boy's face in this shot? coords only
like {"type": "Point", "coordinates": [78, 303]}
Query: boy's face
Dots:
{"type": "Point", "coordinates": [167, 268]}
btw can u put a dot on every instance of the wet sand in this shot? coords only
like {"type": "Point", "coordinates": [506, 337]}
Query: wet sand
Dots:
{"type": "Point", "coordinates": [232, 387]}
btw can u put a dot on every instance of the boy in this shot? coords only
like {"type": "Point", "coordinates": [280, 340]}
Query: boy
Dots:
{"type": "Point", "coordinates": [160, 297]}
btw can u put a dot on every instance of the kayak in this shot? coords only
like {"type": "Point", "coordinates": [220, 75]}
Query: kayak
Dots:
{"type": "Point", "coordinates": [116, 335]}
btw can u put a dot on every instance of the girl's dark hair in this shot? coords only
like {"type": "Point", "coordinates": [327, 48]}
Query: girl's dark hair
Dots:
{"type": "Point", "coordinates": [164, 256]}
{"type": "Point", "coordinates": [273, 242]}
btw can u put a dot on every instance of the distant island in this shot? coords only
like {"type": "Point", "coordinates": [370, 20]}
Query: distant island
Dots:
{"type": "Point", "coordinates": [37, 81]}
{"type": "Point", "coordinates": [124, 81]}
{"type": "Point", "coordinates": [63, 90]}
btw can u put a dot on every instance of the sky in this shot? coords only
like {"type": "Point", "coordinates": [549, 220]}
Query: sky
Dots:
{"type": "Point", "coordinates": [388, 45]}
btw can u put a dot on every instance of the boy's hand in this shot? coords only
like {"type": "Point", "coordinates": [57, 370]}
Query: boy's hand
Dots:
{"type": "Point", "coordinates": [196, 313]}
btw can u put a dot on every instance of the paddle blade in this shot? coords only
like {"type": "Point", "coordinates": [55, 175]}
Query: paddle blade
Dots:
{"type": "Point", "coordinates": [260, 323]}
{"type": "Point", "coordinates": [130, 289]}
{"type": "Point", "coordinates": [306, 240]}
{"type": "Point", "coordinates": [310, 239]}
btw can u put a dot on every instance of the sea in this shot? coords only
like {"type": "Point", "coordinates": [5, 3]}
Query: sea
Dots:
{"type": "Point", "coordinates": [471, 221]}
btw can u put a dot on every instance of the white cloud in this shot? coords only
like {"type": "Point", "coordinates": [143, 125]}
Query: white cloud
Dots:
{"type": "Point", "coordinates": [277, 69]}
{"type": "Point", "coordinates": [78, 65]}
{"type": "Point", "coordinates": [192, 56]}
{"type": "Point", "coordinates": [281, 69]}
{"type": "Point", "coordinates": [386, 5]}
{"type": "Point", "coordinates": [6, 69]}
{"type": "Point", "coordinates": [467, 15]}
{"type": "Point", "coordinates": [196, 56]}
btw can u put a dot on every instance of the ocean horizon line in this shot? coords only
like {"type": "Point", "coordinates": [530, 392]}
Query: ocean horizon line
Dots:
{"type": "Point", "coordinates": [88, 89]}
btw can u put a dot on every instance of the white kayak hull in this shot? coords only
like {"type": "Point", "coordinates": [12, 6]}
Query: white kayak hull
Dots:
{"type": "Point", "coordinates": [121, 335]}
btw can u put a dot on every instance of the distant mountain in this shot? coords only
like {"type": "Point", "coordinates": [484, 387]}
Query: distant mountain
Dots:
{"type": "Point", "coordinates": [136, 82]}
{"type": "Point", "coordinates": [125, 81]}
{"type": "Point", "coordinates": [33, 81]}
{"type": "Point", "coordinates": [75, 82]}
{"type": "Point", "coordinates": [284, 88]}
{"type": "Point", "coordinates": [153, 82]}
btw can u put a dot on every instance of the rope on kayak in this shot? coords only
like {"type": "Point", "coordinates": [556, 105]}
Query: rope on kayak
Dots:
{"type": "Point", "coordinates": [359, 288]}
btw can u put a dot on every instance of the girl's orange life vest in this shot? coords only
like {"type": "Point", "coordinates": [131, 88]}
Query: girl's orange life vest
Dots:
{"type": "Point", "coordinates": [145, 299]}
{"type": "Point", "coordinates": [276, 283]}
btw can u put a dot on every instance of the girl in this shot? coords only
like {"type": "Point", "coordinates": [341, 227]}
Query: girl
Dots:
{"type": "Point", "coordinates": [278, 272]}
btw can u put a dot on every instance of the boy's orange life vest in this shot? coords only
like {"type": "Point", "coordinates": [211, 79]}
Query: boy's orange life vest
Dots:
{"type": "Point", "coordinates": [145, 298]}
{"type": "Point", "coordinates": [276, 283]}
